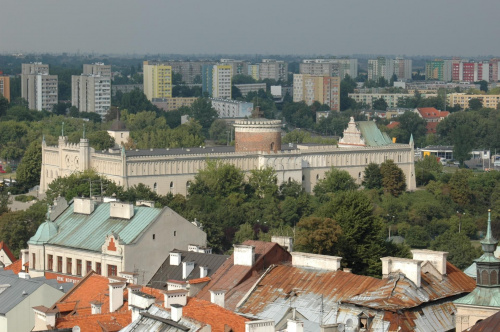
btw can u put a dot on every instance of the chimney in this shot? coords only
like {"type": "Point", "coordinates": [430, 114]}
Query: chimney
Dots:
{"type": "Point", "coordinates": [115, 295]}
{"type": "Point", "coordinates": [410, 268]}
{"type": "Point", "coordinates": [187, 268]}
{"type": "Point", "coordinates": [130, 276]}
{"type": "Point", "coordinates": [260, 326]}
{"type": "Point", "coordinates": [244, 255]}
{"type": "Point", "coordinates": [175, 258]}
{"type": "Point", "coordinates": [284, 241]}
{"type": "Point", "coordinates": [95, 307]}
{"type": "Point", "coordinates": [44, 317]}
{"type": "Point", "coordinates": [83, 205]}
{"type": "Point", "coordinates": [121, 210]}
{"type": "Point", "coordinates": [132, 289]}
{"type": "Point", "coordinates": [193, 247]}
{"type": "Point", "coordinates": [347, 270]}
{"type": "Point", "coordinates": [436, 258]}
{"type": "Point", "coordinates": [323, 262]}
{"type": "Point", "coordinates": [23, 275]}
{"type": "Point", "coordinates": [145, 203]}
{"type": "Point", "coordinates": [25, 254]}
{"type": "Point", "coordinates": [293, 325]}
{"type": "Point", "coordinates": [218, 297]}
{"type": "Point", "coordinates": [178, 296]}
{"type": "Point", "coordinates": [176, 310]}
{"type": "Point", "coordinates": [203, 271]}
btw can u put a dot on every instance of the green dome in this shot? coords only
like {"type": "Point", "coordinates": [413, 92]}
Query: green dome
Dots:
{"type": "Point", "coordinates": [44, 233]}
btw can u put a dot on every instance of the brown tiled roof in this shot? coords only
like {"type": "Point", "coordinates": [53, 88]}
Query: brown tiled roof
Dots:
{"type": "Point", "coordinates": [214, 315]}
{"type": "Point", "coordinates": [432, 113]}
{"type": "Point", "coordinates": [236, 280]}
{"type": "Point", "coordinates": [9, 254]}
{"type": "Point", "coordinates": [393, 124]}
{"type": "Point", "coordinates": [491, 323]}
{"type": "Point", "coordinates": [16, 267]}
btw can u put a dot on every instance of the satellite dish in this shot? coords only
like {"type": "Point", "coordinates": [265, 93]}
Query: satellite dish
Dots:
{"type": "Point", "coordinates": [341, 327]}
{"type": "Point", "coordinates": [75, 328]}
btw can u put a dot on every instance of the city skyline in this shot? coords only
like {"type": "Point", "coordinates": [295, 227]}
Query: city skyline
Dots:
{"type": "Point", "coordinates": [278, 27]}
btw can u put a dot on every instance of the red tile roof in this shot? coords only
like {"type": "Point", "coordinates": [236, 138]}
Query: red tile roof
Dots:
{"type": "Point", "coordinates": [431, 127]}
{"type": "Point", "coordinates": [214, 315]}
{"type": "Point", "coordinates": [9, 254]}
{"type": "Point", "coordinates": [16, 267]}
{"type": "Point", "coordinates": [236, 280]}
{"type": "Point", "coordinates": [392, 125]}
{"type": "Point", "coordinates": [432, 113]}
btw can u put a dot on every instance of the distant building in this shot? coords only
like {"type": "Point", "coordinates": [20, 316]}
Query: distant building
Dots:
{"type": "Point", "coordinates": [468, 71]}
{"type": "Point", "coordinates": [253, 70]}
{"type": "Point", "coordinates": [238, 67]}
{"type": "Point", "coordinates": [5, 87]}
{"type": "Point", "coordinates": [91, 91]}
{"type": "Point", "coordinates": [432, 116]}
{"type": "Point", "coordinates": [108, 238]}
{"type": "Point", "coordinates": [227, 108]}
{"type": "Point", "coordinates": [216, 80]}
{"type": "Point", "coordinates": [438, 69]}
{"type": "Point", "coordinates": [126, 88]}
{"type": "Point", "coordinates": [323, 89]}
{"type": "Point", "coordinates": [462, 99]}
{"type": "Point", "coordinates": [157, 80]}
{"type": "Point", "coordinates": [330, 67]}
{"type": "Point", "coordinates": [391, 99]}
{"type": "Point", "coordinates": [6, 256]}
{"type": "Point", "coordinates": [273, 69]}
{"type": "Point", "coordinates": [380, 67]}
{"type": "Point", "coordinates": [189, 70]}
{"type": "Point", "coordinates": [174, 103]}
{"type": "Point", "coordinates": [38, 87]}
{"type": "Point", "coordinates": [245, 89]}
{"type": "Point", "coordinates": [403, 68]}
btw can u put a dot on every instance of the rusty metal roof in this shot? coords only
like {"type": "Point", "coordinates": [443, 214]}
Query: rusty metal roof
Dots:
{"type": "Point", "coordinates": [236, 280]}
{"type": "Point", "coordinates": [343, 296]}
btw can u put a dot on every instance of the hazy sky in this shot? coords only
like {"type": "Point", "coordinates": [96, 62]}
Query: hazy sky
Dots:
{"type": "Point", "coordinates": [400, 27]}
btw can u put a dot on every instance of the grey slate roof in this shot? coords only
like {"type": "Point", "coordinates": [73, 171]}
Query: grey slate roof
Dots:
{"type": "Point", "coordinates": [158, 319]}
{"type": "Point", "coordinates": [168, 272]}
{"type": "Point", "coordinates": [13, 295]}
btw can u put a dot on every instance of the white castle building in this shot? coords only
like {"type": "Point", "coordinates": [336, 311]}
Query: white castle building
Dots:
{"type": "Point", "coordinates": [257, 145]}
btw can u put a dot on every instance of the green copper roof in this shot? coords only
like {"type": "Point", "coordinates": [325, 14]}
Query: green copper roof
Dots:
{"type": "Point", "coordinates": [44, 233]}
{"type": "Point", "coordinates": [471, 271]}
{"type": "Point", "coordinates": [489, 239]}
{"type": "Point", "coordinates": [372, 135]}
{"type": "Point", "coordinates": [89, 231]}
{"type": "Point", "coordinates": [482, 296]}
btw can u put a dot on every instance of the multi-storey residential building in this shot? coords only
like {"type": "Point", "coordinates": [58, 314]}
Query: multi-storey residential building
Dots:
{"type": "Point", "coordinates": [251, 87]}
{"type": "Point", "coordinates": [330, 67]}
{"type": "Point", "coordinates": [174, 103]}
{"type": "Point", "coordinates": [189, 70]}
{"type": "Point", "coordinates": [438, 69]}
{"type": "Point", "coordinates": [462, 99]}
{"type": "Point", "coordinates": [391, 99]}
{"type": "Point", "coordinates": [5, 86]}
{"type": "Point", "coordinates": [232, 108]}
{"type": "Point", "coordinates": [97, 69]}
{"type": "Point", "coordinates": [238, 67]}
{"type": "Point", "coordinates": [310, 88]}
{"type": "Point", "coordinates": [273, 69]}
{"type": "Point", "coordinates": [38, 87]}
{"type": "Point", "coordinates": [380, 67]}
{"type": "Point", "coordinates": [253, 70]}
{"type": "Point", "coordinates": [216, 80]}
{"type": "Point", "coordinates": [403, 68]}
{"type": "Point", "coordinates": [494, 72]}
{"type": "Point", "coordinates": [467, 71]}
{"type": "Point", "coordinates": [157, 80]}
{"type": "Point", "coordinates": [91, 91]}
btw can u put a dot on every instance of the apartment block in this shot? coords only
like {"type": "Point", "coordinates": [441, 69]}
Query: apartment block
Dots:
{"type": "Point", "coordinates": [216, 80]}
{"type": "Point", "coordinates": [174, 103]}
{"type": "Point", "coordinates": [157, 80]}
{"type": "Point", "coordinates": [273, 69]}
{"type": "Point", "coordinates": [251, 87]}
{"type": "Point", "coordinates": [5, 87]}
{"type": "Point", "coordinates": [253, 70]}
{"type": "Point", "coordinates": [97, 69]}
{"type": "Point", "coordinates": [462, 99]}
{"type": "Point", "coordinates": [403, 68]}
{"type": "Point", "coordinates": [323, 89]}
{"type": "Point", "coordinates": [91, 93]}
{"type": "Point", "coordinates": [227, 108]}
{"type": "Point", "coordinates": [391, 99]}
{"type": "Point", "coordinates": [494, 72]}
{"type": "Point", "coordinates": [469, 71]}
{"type": "Point", "coordinates": [438, 69]}
{"type": "Point", "coordinates": [189, 70]}
{"type": "Point", "coordinates": [330, 67]}
{"type": "Point", "coordinates": [38, 87]}
{"type": "Point", "coordinates": [380, 67]}
{"type": "Point", "coordinates": [238, 67]}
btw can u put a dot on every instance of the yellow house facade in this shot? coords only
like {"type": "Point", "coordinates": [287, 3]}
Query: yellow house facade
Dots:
{"type": "Point", "coordinates": [157, 80]}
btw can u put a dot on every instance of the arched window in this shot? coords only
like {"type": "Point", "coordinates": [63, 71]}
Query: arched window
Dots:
{"type": "Point", "coordinates": [155, 187]}
{"type": "Point", "coordinates": [303, 177]}
{"type": "Point", "coordinates": [317, 176]}
{"type": "Point", "coordinates": [272, 146]}
{"type": "Point", "coordinates": [485, 278]}
{"type": "Point", "coordinates": [171, 185]}
{"type": "Point", "coordinates": [494, 277]}
{"type": "Point", "coordinates": [359, 175]}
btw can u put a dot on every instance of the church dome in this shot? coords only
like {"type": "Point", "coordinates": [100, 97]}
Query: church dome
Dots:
{"type": "Point", "coordinates": [44, 233]}
{"type": "Point", "coordinates": [118, 125]}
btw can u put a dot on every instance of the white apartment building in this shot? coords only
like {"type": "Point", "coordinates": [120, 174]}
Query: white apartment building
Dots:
{"type": "Point", "coordinates": [311, 88]}
{"type": "Point", "coordinates": [273, 69]}
{"type": "Point", "coordinates": [97, 68]}
{"type": "Point", "coordinates": [221, 81]}
{"type": "Point", "coordinates": [403, 68]}
{"type": "Point", "coordinates": [38, 87]}
{"type": "Point", "coordinates": [330, 67]}
{"type": "Point", "coordinates": [227, 108]}
{"type": "Point", "coordinates": [91, 93]}
{"type": "Point", "coordinates": [391, 99]}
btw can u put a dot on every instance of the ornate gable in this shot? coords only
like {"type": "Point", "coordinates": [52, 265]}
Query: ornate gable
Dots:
{"type": "Point", "coordinates": [113, 245]}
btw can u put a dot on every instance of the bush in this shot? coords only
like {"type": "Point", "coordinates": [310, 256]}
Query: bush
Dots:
{"type": "Point", "coordinates": [25, 198]}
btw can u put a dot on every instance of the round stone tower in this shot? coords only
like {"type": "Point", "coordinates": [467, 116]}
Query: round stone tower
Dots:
{"type": "Point", "coordinates": [252, 135]}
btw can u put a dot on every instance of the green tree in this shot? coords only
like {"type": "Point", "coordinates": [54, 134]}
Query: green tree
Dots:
{"type": "Point", "coordinates": [218, 179]}
{"type": "Point", "coordinates": [245, 232]}
{"type": "Point", "coordinates": [411, 123]}
{"type": "Point", "coordinates": [379, 104]}
{"type": "Point", "coordinates": [4, 105]}
{"type": "Point", "coordinates": [263, 182]}
{"type": "Point", "coordinates": [393, 178]}
{"type": "Point", "coordinates": [373, 177]}
{"type": "Point", "coordinates": [100, 140]}
{"type": "Point", "coordinates": [460, 190]}
{"type": "Point", "coordinates": [461, 252]}
{"type": "Point", "coordinates": [318, 235]}
{"type": "Point", "coordinates": [462, 146]}
{"type": "Point", "coordinates": [218, 131]}
{"type": "Point", "coordinates": [417, 237]}
{"type": "Point", "coordinates": [335, 181]}
{"type": "Point", "coordinates": [203, 112]}
{"type": "Point", "coordinates": [475, 104]}
{"type": "Point", "coordinates": [347, 85]}
{"type": "Point", "coordinates": [28, 172]}
{"type": "Point", "coordinates": [483, 85]}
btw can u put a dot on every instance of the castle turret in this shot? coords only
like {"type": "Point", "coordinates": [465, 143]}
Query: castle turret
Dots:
{"type": "Point", "coordinates": [252, 135]}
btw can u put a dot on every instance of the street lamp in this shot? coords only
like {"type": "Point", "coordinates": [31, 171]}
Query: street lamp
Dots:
{"type": "Point", "coordinates": [460, 220]}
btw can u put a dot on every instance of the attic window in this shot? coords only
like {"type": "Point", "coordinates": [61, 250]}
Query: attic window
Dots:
{"type": "Point", "coordinates": [153, 236]}
{"type": "Point", "coordinates": [175, 233]}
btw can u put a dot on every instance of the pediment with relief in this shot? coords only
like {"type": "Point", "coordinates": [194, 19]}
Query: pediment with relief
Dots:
{"type": "Point", "coordinates": [113, 245]}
